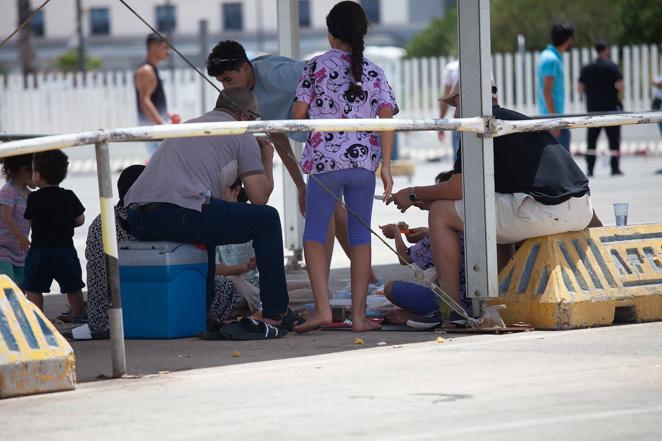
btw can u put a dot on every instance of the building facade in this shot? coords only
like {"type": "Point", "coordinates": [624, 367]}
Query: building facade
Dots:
{"type": "Point", "coordinates": [113, 34]}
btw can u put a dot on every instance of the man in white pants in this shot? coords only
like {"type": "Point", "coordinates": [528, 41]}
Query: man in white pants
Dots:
{"type": "Point", "coordinates": [539, 188]}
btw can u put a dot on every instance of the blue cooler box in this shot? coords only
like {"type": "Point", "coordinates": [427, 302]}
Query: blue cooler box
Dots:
{"type": "Point", "coordinates": [163, 289]}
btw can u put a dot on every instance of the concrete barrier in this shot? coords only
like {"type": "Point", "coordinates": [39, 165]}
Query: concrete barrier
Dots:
{"type": "Point", "coordinates": [34, 357]}
{"type": "Point", "coordinates": [594, 277]}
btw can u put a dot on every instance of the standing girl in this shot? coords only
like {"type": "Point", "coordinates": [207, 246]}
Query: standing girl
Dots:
{"type": "Point", "coordinates": [341, 83]}
{"type": "Point", "coordinates": [14, 228]}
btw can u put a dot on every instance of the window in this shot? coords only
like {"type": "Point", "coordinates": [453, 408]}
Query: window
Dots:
{"type": "Point", "coordinates": [232, 17]}
{"type": "Point", "coordinates": [371, 8]}
{"type": "Point", "coordinates": [37, 24]}
{"type": "Point", "coordinates": [166, 20]}
{"type": "Point", "coordinates": [99, 21]}
{"type": "Point", "coordinates": [304, 13]}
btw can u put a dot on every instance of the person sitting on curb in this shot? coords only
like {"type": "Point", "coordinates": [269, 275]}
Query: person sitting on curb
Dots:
{"type": "Point", "coordinates": [179, 197]}
{"type": "Point", "coordinates": [539, 188]}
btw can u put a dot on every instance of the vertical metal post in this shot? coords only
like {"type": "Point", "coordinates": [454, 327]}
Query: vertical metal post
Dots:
{"type": "Point", "coordinates": [288, 45]}
{"type": "Point", "coordinates": [477, 152]}
{"type": "Point", "coordinates": [109, 236]}
{"type": "Point", "coordinates": [81, 39]}
{"type": "Point", "coordinates": [203, 37]}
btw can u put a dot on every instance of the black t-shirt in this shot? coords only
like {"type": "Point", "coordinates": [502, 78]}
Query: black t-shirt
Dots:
{"type": "Point", "coordinates": [52, 211]}
{"type": "Point", "coordinates": [533, 163]}
{"type": "Point", "coordinates": [599, 78]}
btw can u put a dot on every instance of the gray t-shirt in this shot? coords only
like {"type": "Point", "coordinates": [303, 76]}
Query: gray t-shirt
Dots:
{"type": "Point", "coordinates": [184, 171]}
{"type": "Point", "coordinates": [276, 81]}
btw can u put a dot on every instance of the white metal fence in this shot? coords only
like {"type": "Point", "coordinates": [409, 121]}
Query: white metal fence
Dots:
{"type": "Point", "coordinates": [58, 103]}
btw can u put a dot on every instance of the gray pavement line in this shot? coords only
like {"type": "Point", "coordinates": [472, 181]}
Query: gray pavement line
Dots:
{"type": "Point", "coordinates": [532, 422]}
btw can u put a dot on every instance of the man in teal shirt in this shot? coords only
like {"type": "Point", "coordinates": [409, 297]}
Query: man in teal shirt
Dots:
{"type": "Point", "coordinates": [551, 83]}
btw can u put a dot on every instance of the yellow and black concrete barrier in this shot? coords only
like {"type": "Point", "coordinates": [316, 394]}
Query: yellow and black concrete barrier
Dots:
{"type": "Point", "coordinates": [34, 357]}
{"type": "Point", "coordinates": [594, 277]}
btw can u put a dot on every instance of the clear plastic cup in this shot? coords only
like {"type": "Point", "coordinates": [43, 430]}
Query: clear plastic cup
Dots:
{"type": "Point", "coordinates": [621, 213]}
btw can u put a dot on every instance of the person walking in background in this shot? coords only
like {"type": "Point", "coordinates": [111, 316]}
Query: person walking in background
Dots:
{"type": "Point", "coordinates": [602, 81]}
{"type": "Point", "coordinates": [150, 96]}
{"type": "Point", "coordinates": [342, 83]}
{"type": "Point", "coordinates": [450, 75]}
{"type": "Point", "coordinates": [14, 228]}
{"type": "Point", "coordinates": [551, 83]}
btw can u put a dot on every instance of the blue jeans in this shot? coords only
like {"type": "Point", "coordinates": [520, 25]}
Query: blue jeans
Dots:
{"type": "Point", "coordinates": [222, 223]}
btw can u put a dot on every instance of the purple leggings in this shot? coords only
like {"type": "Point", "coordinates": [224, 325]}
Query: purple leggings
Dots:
{"type": "Point", "coordinates": [357, 186]}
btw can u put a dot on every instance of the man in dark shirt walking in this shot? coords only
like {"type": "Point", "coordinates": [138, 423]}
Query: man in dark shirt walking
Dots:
{"type": "Point", "coordinates": [602, 81]}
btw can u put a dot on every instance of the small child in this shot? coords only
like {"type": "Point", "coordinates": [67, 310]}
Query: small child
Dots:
{"type": "Point", "coordinates": [54, 213]}
{"type": "Point", "coordinates": [418, 305]}
{"type": "Point", "coordinates": [14, 228]}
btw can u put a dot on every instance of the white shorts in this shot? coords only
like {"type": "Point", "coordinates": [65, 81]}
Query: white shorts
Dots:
{"type": "Point", "coordinates": [519, 216]}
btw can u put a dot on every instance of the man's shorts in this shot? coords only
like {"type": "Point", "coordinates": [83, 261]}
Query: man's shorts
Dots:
{"type": "Point", "coordinates": [13, 272]}
{"type": "Point", "coordinates": [519, 216]}
{"type": "Point", "coordinates": [42, 265]}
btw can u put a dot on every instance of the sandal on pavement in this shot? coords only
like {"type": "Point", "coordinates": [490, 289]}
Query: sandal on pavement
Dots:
{"type": "Point", "coordinates": [290, 320]}
{"type": "Point", "coordinates": [250, 329]}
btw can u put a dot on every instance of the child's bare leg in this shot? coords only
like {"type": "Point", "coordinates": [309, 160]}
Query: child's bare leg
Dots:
{"type": "Point", "coordinates": [360, 268]}
{"type": "Point", "coordinates": [76, 302]}
{"type": "Point", "coordinates": [330, 242]}
{"type": "Point", "coordinates": [37, 298]}
{"type": "Point", "coordinates": [342, 234]}
{"type": "Point", "coordinates": [318, 272]}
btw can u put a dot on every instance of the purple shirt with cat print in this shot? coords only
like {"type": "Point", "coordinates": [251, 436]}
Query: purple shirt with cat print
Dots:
{"type": "Point", "coordinates": [324, 86]}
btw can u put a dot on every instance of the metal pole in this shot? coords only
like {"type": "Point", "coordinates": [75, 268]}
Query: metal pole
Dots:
{"type": "Point", "coordinates": [81, 39]}
{"type": "Point", "coordinates": [109, 236]}
{"type": "Point", "coordinates": [203, 37]}
{"type": "Point", "coordinates": [477, 154]}
{"type": "Point", "coordinates": [288, 45]}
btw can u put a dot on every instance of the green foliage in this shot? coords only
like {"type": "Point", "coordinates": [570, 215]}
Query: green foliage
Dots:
{"type": "Point", "coordinates": [68, 62]}
{"type": "Point", "coordinates": [439, 38]}
{"type": "Point", "coordinates": [640, 21]}
{"type": "Point", "coordinates": [614, 21]}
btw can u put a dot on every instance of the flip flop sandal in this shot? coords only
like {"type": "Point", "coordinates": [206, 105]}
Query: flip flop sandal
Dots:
{"type": "Point", "coordinates": [250, 329]}
{"type": "Point", "coordinates": [290, 320]}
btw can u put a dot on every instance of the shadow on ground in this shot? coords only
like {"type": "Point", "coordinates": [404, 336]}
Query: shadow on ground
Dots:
{"type": "Point", "coordinates": [144, 357]}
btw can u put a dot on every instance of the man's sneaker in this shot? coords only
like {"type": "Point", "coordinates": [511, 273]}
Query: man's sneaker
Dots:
{"type": "Point", "coordinates": [428, 321]}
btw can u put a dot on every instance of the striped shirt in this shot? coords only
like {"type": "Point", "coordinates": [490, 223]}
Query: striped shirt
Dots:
{"type": "Point", "coordinates": [16, 199]}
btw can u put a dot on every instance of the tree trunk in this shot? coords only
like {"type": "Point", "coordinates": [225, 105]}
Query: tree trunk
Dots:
{"type": "Point", "coordinates": [26, 40]}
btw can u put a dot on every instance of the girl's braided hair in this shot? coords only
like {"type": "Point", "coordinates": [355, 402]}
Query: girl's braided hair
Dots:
{"type": "Point", "coordinates": [347, 22]}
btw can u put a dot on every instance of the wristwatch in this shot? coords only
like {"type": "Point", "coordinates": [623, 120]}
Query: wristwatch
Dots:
{"type": "Point", "coordinates": [412, 195]}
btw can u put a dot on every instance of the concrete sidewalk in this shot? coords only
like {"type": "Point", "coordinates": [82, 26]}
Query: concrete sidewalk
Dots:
{"type": "Point", "coordinates": [601, 383]}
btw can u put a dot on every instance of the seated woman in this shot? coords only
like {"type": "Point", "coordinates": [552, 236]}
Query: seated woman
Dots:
{"type": "Point", "coordinates": [225, 301]}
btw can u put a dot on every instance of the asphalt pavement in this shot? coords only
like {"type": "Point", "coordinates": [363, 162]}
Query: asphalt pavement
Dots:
{"type": "Point", "coordinates": [593, 384]}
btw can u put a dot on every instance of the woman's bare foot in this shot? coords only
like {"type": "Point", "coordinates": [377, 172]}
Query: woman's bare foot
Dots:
{"type": "Point", "coordinates": [316, 320]}
{"type": "Point", "coordinates": [365, 325]}
{"type": "Point", "coordinates": [399, 316]}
